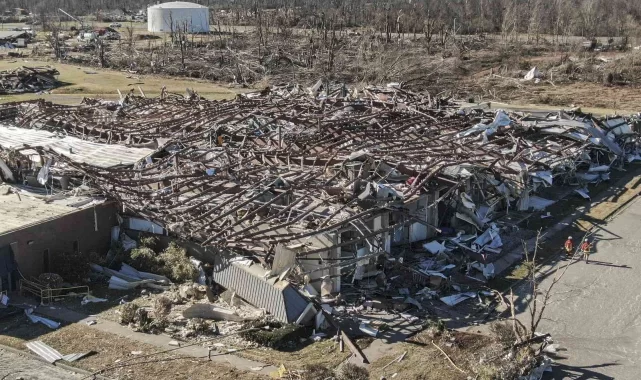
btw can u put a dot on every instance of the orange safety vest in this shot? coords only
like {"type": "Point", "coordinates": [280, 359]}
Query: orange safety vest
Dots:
{"type": "Point", "coordinates": [569, 245]}
{"type": "Point", "coordinates": [585, 247]}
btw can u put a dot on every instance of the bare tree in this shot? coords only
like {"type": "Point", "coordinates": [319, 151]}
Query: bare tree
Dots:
{"type": "Point", "coordinates": [539, 298]}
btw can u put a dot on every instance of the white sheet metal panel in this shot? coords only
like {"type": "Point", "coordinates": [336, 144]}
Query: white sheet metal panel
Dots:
{"type": "Point", "coordinates": [144, 225]}
{"type": "Point", "coordinates": [52, 355]}
{"type": "Point", "coordinates": [102, 155]}
{"type": "Point", "coordinates": [74, 357]}
{"type": "Point", "coordinates": [46, 352]}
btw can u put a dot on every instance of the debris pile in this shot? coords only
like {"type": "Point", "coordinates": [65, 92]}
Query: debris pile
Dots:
{"type": "Point", "coordinates": [328, 205]}
{"type": "Point", "coordinates": [28, 79]}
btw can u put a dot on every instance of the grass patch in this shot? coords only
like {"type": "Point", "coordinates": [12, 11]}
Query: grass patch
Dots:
{"type": "Point", "coordinates": [424, 361]}
{"type": "Point", "coordinates": [325, 353]}
{"type": "Point", "coordinates": [105, 83]}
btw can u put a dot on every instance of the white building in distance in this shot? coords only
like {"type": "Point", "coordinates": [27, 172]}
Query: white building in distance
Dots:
{"type": "Point", "coordinates": [194, 17]}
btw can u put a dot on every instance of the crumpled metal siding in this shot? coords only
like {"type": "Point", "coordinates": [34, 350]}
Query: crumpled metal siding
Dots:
{"type": "Point", "coordinates": [101, 155]}
{"type": "Point", "coordinates": [280, 299]}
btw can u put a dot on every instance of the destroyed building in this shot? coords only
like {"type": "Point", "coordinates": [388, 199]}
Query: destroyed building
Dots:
{"type": "Point", "coordinates": [290, 187]}
{"type": "Point", "coordinates": [28, 79]}
{"type": "Point", "coordinates": [40, 223]}
{"type": "Point", "coordinates": [15, 38]}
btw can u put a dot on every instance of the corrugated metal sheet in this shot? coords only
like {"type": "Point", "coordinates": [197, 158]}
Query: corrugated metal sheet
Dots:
{"type": "Point", "coordinates": [11, 34]}
{"type": "Point", "coordinates": [44, 351]}
{"type": "Point", "coordinates": [102, 155]}
{"type": "Point", "coordinates": [74, 357]}
{"type": "Point", "coordinates": [279, 299]}
{"type": "Point", "coordinates": [51, 355]}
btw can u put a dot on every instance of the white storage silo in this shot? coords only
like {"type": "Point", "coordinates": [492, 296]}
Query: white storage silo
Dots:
{"type": "Point", "coordinates": [195, 17]}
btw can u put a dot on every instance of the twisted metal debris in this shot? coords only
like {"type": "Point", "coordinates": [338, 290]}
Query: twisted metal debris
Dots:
{"type": "Point", "coordinates": [28, 79]}
{"type": "Point", "coordinates": [284, 165]}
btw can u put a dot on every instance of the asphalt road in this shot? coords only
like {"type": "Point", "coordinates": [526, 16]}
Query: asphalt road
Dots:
{"type": "Point", "coordinates": [595, 314]}
{"type": "Point", "coordinates": [14, 366]}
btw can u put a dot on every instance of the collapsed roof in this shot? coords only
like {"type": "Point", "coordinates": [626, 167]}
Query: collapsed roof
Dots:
{"type": "Point", "coordinates": [280, 165]}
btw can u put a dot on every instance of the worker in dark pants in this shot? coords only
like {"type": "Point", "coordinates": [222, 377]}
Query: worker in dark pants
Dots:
{"type": "Point", "coordinates": [569, 246]}
{"type": "Point", "coordinates": [585, 249]}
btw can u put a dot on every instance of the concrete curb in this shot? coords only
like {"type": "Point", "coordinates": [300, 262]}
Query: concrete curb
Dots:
{"type": "Point", "coordinates": [58, 364]}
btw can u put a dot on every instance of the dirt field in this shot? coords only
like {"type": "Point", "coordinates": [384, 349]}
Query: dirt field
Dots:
{"type": "Point", "coordinates": [115, 352]}
{"type": "Point", "coordinates": [324, 353]}
{"type": "Point", "coordinates": [424, 361]}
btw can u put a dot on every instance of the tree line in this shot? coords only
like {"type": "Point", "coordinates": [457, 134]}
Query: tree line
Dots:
{"type": "Point", "coordinates": [587, 18]}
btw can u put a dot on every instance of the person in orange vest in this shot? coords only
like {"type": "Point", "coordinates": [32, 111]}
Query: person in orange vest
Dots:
{"type": "Point", "coordinates": [585, 249]}
{"type": "Point", "coordinates": [569, 246]}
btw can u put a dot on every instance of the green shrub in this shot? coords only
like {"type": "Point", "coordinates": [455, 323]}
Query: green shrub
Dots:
{"type": "Point", "coordinates": [176, 264]}
{"type": "Point", "coordinates": [275, 334]}
{"type": "Point", "coordinates": [128, 313]}
{"type": "Point", "coordinates": [148, 241]}
{"type": "Point", "coordinates": [145, 260]}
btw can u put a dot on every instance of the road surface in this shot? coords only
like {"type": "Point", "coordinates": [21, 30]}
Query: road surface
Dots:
{"type": "Point", "coordinates": [15, 366]}
{"type": "Point", "coordinates": [596, 311]}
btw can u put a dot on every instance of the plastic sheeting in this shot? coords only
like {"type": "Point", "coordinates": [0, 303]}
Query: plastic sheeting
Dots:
{"type": "Point", "coordinates": [89, 299]}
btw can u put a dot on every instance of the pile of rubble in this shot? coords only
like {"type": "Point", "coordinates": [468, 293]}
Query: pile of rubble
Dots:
{"type": "Point", "coordinates": [28, 79]}
{"type": "Point", "coordinates": [324, 204]}
{"type": "Point", "coordinates": [190, 311]}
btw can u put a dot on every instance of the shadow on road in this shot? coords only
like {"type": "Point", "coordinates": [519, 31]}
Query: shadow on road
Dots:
{"type": "Point", "coordinates": [561, 371]}
{"type": "Point", "coordinates": [605, 263]}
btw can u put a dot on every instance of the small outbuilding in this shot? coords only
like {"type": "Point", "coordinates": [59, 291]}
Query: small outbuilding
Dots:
{"type": "Point", "coordinates": [168, 17]}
